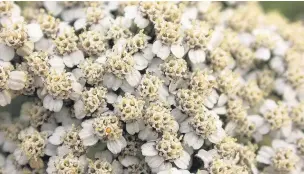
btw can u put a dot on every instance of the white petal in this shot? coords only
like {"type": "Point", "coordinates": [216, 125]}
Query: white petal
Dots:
{"type": "Point", "coordinates": [71, 14]}
{"type": "Point", "coordinates": [5, 98]}
{"type": "Point", "coordinates": [197, 56]}
{"type": "Point", "coordinates": [222, 100]}
{"type": "Point", "coordinates": [218, 136]}
{"type": "Point", "coordinates": [80, 23]}
{"type": "Point", "coordinates": [57, 137]}
{"type": "Point", "coordinates": [256, 119]}
{"type": "Point", "coordinates": [154, 161]}
{"type": "Point", "coordinates": [111, 97]}
{"type": "Point", "coordinates": [140, 61]}
{"type": "Point", "coordinates": [117, 83]}
{"type": "Point", "coordinates": [263, 54]}
{"type": "Point", "coordinates": [53, 7]}
{"type": "Point", "coordinates": [216, 39]}
{"type": "Point", "coordinates": [117, 167]}
{"type": "Point", "coordinates": [193, 140]}
{"type": "Point", "coordinates": [264, 129]}
{"type": "Point", "coordinates": [57, 105]}
{"type": "Point", "coordinates": [115, 146]}
{"type": "Point", "coordinates": [130, 11]}
{"type": "Point", "coordinates": [220, 110]}
{"type": "Point", "coordinates": [90, 141]}
{"type": "Point", "coordinates": [133, 78]}
{"type": "Point", "coordinates": [50, 150]}
{"type": "Point", "coordinates": [141, 22]}
{"type": "Point", "coordinates": [147, 134]}
{"type": "Point", "coordinates": [132, 127]}
{"type": "Point", "coordinates": [129, 160]}
{"type": "Point", "coordinates": [6, 53]}
{"type": "Point", "coordinates": [106, 155]}
{"type": "Point", "coordinates": [16, 80]}
{"type": "Point", "coordinates": [185, 126]}
{"type": "Point", "coordinates": [77, 57]}
{"type": "Point", "coordinates": [178, 115]}
{"type": "Point", "coordinates": [206, 156]}
{"type": "Point", "coordinates": [57, 63]}
{"type": "Point", "coordinates": [163, 52]}
{"type": "Point", "coordinates": [156, 46]}
{"type": "Point", "coordinates": [20, 157]}
{"type": "Point", "coordinates": [183, 161]}
{"type": "Point", "coordinates": [108, 80]}
{"type": "Point", "coordinates": [286, 130]}
{"type": "Point", "coordinates": [85, 133]}
{"type": "Point", "coordinates": [9, 146]}
{"type": "Point", "coordinates": [148, 149]}
{"type": "Point", "coordinates": [34, 32]}
{"type": "Point", "coordinates": [178, 50]}
{"type": "Point", "coordinates": [68, 61]}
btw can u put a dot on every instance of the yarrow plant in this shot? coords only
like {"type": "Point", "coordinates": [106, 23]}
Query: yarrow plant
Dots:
{"type": "Point", "coordinates": [150, 87]}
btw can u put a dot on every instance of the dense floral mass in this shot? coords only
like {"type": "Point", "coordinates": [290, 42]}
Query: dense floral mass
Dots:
{"type": "Point", "coordinates": [151, 87]}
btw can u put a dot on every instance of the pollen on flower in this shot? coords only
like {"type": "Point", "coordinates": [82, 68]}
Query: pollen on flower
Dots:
{"type": "Point", "coordinates": [297, 114]}
{"type": "Point", "coordinates": [94, 14]}
{"type": "Point", "coordinates": [68, 164]}
{"type": "Point", "coordinates": [48, 24]}
{"type": "Point", "coordinates": [219, 59]}
{"type": "Point", "coordinates": [199, 35]}
{"type": "Point", "coordinates": [132, 148]}
{"type": "Point", "coordinates": [4, 75]}
{"type": "Point", "coordinates": [174, 68]}
{"type": "Point", "coordinates": [11, 130]}
{"type": "Point", "coordinates": [118, 30]}
{"type": "Point", "coordinates": [107, 127]}
{"type": "Point", "coordinates": [5, 8]}
{"type": "Point", "coordinates": [285, 160]}
{"type": "Point", "coordinates": [66, 42]}
{"type": "Point", "coordinates": [120, 64]}
{"type": "Point", "coordinates": [265, 80]}
{"type": "Point", "coordinates": [37, 113]}
{"type": "Point", "coordinates": [33, 144]}
{"type": "Point", "coordinates": [92, 42]}
{"type": "Point", "coordinates": [94, 98]}
{"type": "Point", "coordinates": [92, 71]}
{"type": "Point", "coordinates": [141, 167]}
{"type": "Point", "coordinates": [300, 145]}
{"type": "Point", "coordinates": [202, 82]}
{"type": "Point", "coordinates": [158, 116]}
{"type": "Point", "coordinates": [204, 124]}
{"type": "Point", "coordinates": [278, 117]}
{"type": "Point", "coordinates": [228, 82]}
{"type": "Point", "coordinates": [137, 42]}
{"type": "Point", "coordinates": [190, 101]}
{"type": "Point", "coordinates": [167, 32]}
{"type": "Point", "coordinates": [244, 57]}
{"type": "Point", "coordinates": [14, 35]}
{"type": "Point", "coordinates": [169, 146]}
{"type": "Point", "coordinates": [228, 148]}
{"type": "Point", "coordinates": [99, 166]}
{"type": "Point", "coordinates": [252, 93]}
{"type": "Point", "coordinates": [149, 87]}
{"type": "Point", "coordinates": [235, 110]}
{"type": "Point", "coordinates": [130, 109]}
{"type": "Point", "coordinates": [58, 84]}
{"type": "Point", "coordinates": [38, 63]}
{"type": "Point", "coordinates": [73, 141]}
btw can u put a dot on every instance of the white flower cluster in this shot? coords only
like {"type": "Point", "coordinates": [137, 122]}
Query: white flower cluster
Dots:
{"type": "Point", "coordinates": [151, 87]}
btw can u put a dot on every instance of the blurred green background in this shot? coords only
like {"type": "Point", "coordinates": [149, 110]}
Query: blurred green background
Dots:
{"type": "Point", "coordinates": [291, 9]}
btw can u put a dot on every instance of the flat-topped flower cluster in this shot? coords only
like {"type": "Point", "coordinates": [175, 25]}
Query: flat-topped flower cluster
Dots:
{"type": "Point", "coordinates": [151, 87]}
